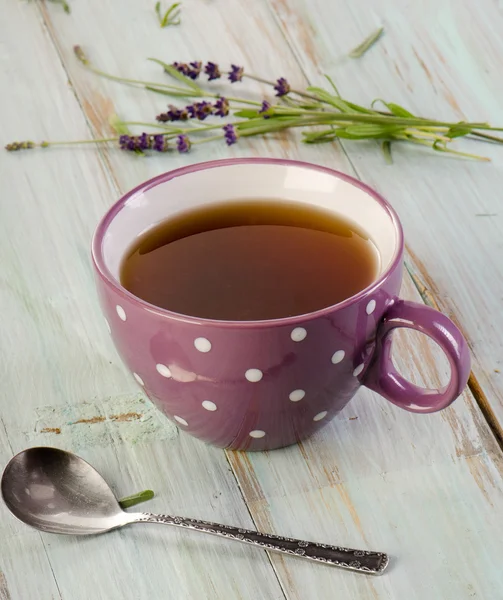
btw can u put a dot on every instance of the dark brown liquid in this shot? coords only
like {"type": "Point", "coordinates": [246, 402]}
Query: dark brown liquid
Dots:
{"type": "Point", "coordinates": [250, 260]}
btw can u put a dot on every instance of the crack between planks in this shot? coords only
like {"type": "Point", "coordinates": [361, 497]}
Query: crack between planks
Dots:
{"type": "Point", "coordinates": [473, 383]}
{"type": "Point", "coordinates": [248, 509]}
{"type": "Point", "coordinates": [50, 566]}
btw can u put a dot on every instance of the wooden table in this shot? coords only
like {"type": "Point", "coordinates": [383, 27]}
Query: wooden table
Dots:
{"type": "Point", "coordinates": [426, 489]}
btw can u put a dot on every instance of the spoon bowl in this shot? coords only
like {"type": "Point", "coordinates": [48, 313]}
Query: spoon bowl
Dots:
{"type": "Point", "coordinates": [58, 492]}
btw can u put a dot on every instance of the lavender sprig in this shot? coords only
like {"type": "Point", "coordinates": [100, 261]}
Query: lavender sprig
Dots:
{"type": "Point", "coordinates": [324, 115]}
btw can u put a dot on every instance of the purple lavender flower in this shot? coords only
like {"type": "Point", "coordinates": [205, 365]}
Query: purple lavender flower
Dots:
{"type": "Point", "coordinates": [221, 107]}
{"type": "Point", "coordinates": [230, 134]}
{"type": "Point", "coordinates": [236, 73]}
{"type": "Point", "coordinates": [123, 141]}
{"type": "Point", "coordinates": [282, 87]}
{"type": "Point", "coordinates": [211, 69]}
{"type": "Point", "coordinates": [264, 109]}
{"type": "Point", "coordinates": [144, 141]}
{"type": "Point", "coordinates": [203, 109]}
{"type": "Point", "coordinates": [131, 144]}
{"type": "Point", "coordinates": [160, 143]}
{"type": "Point", "coordinates": [195, 69]}
{"type": "Point", "coordinates": [182, 68]}
{"type": "Point", "coordinates": [183, 143]}
{"type": "Point", "coordinates": [173, 114]}
{"type": "Point", "coordinates": [191, 111]}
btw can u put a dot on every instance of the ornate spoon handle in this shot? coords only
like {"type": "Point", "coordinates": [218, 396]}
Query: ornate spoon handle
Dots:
{"type": "Point", "coordinates": [363, 561]}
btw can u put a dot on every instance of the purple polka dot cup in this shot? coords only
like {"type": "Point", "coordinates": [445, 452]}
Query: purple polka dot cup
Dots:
{"type": "Point", "coordinates": [260, 385]}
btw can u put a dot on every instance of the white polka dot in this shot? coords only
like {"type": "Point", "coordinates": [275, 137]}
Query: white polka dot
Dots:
{"type": "Point", "coordinates": [371, 306]}
{"type": "Point", "coordinates": [320, 416]}
{"type": "Point", "coordinates": [257, 433]}
{"type": "Point", "coordinates": [338, 356]}
{"type": "Point", "coordinates": [298, 334]}
{"type": "Point", "coordinates": [297, 395]}
{"type": "Point", "coordinates": [138, 379]}
{"type": "Point", "coordinates": [181, 421]}
{"type": "Point", "coordinates": [209, 405]}
{"type": "Point", "coordinates": [163, 370]}
{"type": "Point", "coordinates": [109, 329]}
{"type": "Point", "coordinates": [358, 369]}
{"type": "Point", "coordinates": [254, 375]}
{"type": "Point", "coordinates": [202, 344]}
{"type": "Point", "coordinates": [121, 312]}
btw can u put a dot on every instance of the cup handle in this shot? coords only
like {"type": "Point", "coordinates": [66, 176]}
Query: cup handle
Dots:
{"type": "Point", "coordinates": [382, 377]}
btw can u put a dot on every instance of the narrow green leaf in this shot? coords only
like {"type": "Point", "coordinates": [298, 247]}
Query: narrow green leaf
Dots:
{"type": "Point", "coordinates": [158, 10]}
{"type": "Point", "coordinates": [321, 140]}
{"type": "Point", "coordinates": [366, 44]}
{"type": "Point", "coordinates": [341, 132]}
{"type": "Point", "coordinates": [369, 130]}
{"type": "Point", "coordinates": [266, 124]}
{"type": "Point", "coordinates": [177, 75]}
{"type": "Point", "coordinates": [169, 92]}
{"type": "Point", "coordinates": [395, 109]}
{"type": "Point", "coordinates": [386, 150]}
{"type": "Point", "coordinates": [136, 498]}
{"type": "Point", "coordinates": [172, 8]}
{"type": "Point", "coordinates": [359, 109]}
{"type": "Point", "coordinates": [246, 113]}
{"type": "Point", "coordinates": [335, 101]}
{"type": "Point", "coordinates": [458, 131]}
{"type": "Point", "coordinates": [331, 82]}
{"type": "Point", "coordinates": [165, 21]}
{"type": "Point", "coordinates": [316, 134]}
{"type": "Point", "coordinates": [440, 147]}
{"type": "Point", "coordinates": [399, 111]}
{"type": "Point", "coordinates": [316, 137]}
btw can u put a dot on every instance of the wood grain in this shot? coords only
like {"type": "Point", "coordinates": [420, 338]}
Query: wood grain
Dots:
{"type": "Point", "coordinates": [426, 489]}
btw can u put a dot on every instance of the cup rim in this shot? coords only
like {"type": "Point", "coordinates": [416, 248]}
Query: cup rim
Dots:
{"type": "Point", "coordinates": [109, 279]}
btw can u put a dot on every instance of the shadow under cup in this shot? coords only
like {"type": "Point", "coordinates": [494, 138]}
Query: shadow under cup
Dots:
{"type": "Point", "coordinates": [260, 385]}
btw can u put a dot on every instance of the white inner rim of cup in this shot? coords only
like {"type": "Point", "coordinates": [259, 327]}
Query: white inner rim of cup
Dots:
{"type": "Point", "coordinates": [291, 183]}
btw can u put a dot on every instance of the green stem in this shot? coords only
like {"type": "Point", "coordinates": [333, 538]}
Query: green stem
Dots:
{"type": "Point", "coordinates": [273, 83]}
{"type": "Point", "coordinates": [208, 139]}
{"type": "Point", "coordinates": [492, 138]}
{"type": "Point", "coordinates": [156, 125]}
{"type": "Point", "coordinates": [447, 150]}
{"type": "Point", "coordinates": [77, 142]}
{"type": "Point", "coordinates": [136, 82]}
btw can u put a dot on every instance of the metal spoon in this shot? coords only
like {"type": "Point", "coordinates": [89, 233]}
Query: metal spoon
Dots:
{"type": "Point", "coordinates": [58, 492]}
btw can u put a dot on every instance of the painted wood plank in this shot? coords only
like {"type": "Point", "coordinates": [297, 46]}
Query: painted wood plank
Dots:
{"type": "Point", "coordinates": [284, 489]}
{"type": "Point", "coordinates": [427, 489]}
{"type": "Point", "coordinates": [20, 547]}
{"type": "Point", "coordinates": [63, 384]}
{"type": "Point", "coordinates": [439, 59]}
